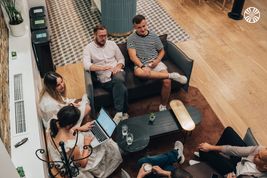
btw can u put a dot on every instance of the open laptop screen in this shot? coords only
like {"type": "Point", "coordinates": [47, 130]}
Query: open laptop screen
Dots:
{"type": "Point", "coordinates": [106, 122]}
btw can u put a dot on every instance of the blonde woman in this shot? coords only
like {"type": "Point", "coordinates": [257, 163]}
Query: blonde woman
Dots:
{"type": "Point", "coordinates": [53, 98]}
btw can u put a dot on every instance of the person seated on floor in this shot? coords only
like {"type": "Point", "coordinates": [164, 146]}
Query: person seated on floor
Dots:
{"type": "Point", "coordinates": [53, 98]}
{"type": "Point", "coordinates": [146, 52]}
{"type": "Point", "coordinates": [162, 164]}
{"type": "Point", "coordinates": [105, 58]}
{"type": "Point", "coordinates": [232, 157]}
{"type": "Point", "coordinates": [103, 161]}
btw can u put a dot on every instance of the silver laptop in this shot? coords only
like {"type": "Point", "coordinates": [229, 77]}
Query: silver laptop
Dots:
{"type": "Point", "coordinates": [103, 128]}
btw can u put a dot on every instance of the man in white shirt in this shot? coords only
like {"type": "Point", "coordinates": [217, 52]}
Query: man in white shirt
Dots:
{"type": "Point", "coordinates": [105, 58]}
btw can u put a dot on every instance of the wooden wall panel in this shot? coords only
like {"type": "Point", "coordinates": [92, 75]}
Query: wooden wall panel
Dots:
{"type": "Point", "coordinates": [4, 92]}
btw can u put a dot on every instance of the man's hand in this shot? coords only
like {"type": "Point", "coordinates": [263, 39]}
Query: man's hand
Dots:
{"type": "Point", "coordinates": [142, 173]}
{"type": "Point", "coordinates": [146, 70]}
{"type": "Point", "coordinates": [106, 68]}
{"type": "Point", "coordinates": [117, 69]}
{"type": "Point", "coordinates": [205, 147]}
{"type": "Point", "coordinates": [153, 63]}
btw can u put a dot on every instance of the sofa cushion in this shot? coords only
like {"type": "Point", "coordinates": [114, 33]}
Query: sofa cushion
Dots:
{"type": "Point", "coordinates": [201, 170]}
{"type": "Point", "coordinates": [137, 87]}
{"type": "Point", "coordinates": [249, 138]}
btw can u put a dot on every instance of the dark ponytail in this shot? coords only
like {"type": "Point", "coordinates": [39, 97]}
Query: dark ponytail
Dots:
{"type": "Point", "coordinates": [53, 127]}
{"type": "Point", "coordinates": [67, 116]}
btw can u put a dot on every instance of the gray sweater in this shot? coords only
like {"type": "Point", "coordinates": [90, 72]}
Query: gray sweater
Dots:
{"type": "Point", "coordinates": [246, 166]}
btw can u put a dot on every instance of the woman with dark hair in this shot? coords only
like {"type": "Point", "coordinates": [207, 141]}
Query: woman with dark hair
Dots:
{"type": "Point", "coordinates": [53, 98]}
{"type": "Point", "coordinates": [105, 158]}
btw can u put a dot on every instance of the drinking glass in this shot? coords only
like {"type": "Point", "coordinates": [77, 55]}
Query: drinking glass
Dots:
{"type": "Point", "coordinates": [124, 130]}
{"type": "Point", "coordinates": [152, 117]}
{"type": "Point", "coordinates": [129, 138]}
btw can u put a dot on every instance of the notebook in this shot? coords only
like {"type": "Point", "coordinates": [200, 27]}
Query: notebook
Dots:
{"type": "Point", "coordinates": [103, 129]}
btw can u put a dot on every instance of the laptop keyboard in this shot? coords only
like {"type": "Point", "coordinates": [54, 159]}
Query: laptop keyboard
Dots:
{"type": "Point", "coordinates": [99, 135]}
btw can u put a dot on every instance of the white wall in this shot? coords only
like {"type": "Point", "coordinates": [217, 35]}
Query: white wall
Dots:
{"type": "Point", "coordinates": [33, 3]}
{"type": "Point", "coordinates": [7, 169]}
{"type": "Point", "coordinates": [25, 64]}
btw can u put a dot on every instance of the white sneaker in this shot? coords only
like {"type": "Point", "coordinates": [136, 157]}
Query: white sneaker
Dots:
{"type": "Point", "coordinates": [180, 149]}
{"type": "Point", "coordinates": [118, 117]}
{"type": "Point", "coordinates": [193, 162]}
{"type": "Point", "coordinates": [196, 153]}
{"type": "Point", "coordinates": [125, 116]}
{"type": "Point", "coordinates": [177, 77]}
{"type": "Point", "coordinates": [162, 107]}
{"type": "Point", "coordinates": [124, 174]}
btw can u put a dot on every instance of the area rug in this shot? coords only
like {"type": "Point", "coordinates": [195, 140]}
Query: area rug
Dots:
{"type": "Point", "coordinates": [209, 129]}
{"type": "Point", "coordinates": [71, 25]}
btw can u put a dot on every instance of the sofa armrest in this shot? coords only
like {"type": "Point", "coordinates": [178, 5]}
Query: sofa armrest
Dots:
{"type": "Point", "coordinates": [90, 90]}
{"type": "Point", "coordinates": [181, 60]}
{"type": "Point", "coordinates": [249, 138]}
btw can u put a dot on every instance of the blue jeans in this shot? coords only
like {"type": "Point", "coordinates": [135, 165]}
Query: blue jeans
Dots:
{"type": "Point", "coordinates": [165, 160]}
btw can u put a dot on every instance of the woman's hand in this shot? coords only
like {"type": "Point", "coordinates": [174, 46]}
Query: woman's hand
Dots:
{"type": "Point", "coordinates": [76, 104]}
{"type": "Point", "coordinates": [161, 171]}
{"type": "Point", "coordinates": [84, 128]}
{"type": "Point", "coordinates": [87, 126]}
{"type": "Point", "coordinates": [142, 173]}
{"type": "Point", "coordinates": [88, 139]}
{"type": "Point", "coordinates": [205, 147]}
{"type": "Point", "coordinates": [158, 169]}
{"type": "Point", "coordinates": [231, 175]}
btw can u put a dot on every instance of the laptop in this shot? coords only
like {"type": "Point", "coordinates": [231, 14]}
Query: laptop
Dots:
{"type": "Point", "coordinates": [103, 129]}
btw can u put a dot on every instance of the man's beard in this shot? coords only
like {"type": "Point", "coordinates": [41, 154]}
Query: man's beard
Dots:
{"type": "Point", "coordinates": [100, 44]}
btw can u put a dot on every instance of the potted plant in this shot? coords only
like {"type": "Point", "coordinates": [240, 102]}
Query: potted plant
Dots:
{"type": "Point", "coordinates": [16, 24]}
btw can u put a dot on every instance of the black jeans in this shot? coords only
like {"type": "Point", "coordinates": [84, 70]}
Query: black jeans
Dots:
{"type": "Point", "coordinates": [220, 163]}
{"type": "Point", "coordinates": [119, 91]}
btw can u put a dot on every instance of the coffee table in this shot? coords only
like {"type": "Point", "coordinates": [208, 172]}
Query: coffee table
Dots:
{"type": "Point", "coordinates": [143, 130]}
{"type": "Point", "coordinates": [141, 137]}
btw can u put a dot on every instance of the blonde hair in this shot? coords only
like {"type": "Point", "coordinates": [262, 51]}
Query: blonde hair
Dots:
{"type": "Point", "coordinates": [49, 86]}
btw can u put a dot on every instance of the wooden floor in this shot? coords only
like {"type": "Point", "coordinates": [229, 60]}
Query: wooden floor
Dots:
{"type": "Point", "coordinates": [230, 66]}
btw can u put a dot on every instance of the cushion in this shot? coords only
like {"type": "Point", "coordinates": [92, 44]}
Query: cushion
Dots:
{"type": "Point", "coordinates": [249, 138]}
{"type": "Point", "coordinates": [201, 170]}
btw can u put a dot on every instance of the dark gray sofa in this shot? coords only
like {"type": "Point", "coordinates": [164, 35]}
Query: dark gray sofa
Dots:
{"type": "Point", "coordinates": [203, 170]}
{"type": "Point", "coordinates": [138, 88]}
